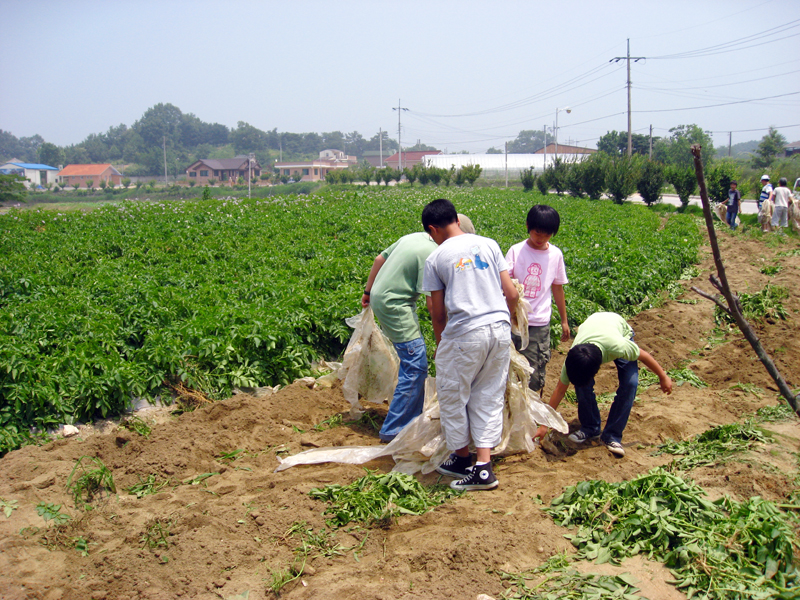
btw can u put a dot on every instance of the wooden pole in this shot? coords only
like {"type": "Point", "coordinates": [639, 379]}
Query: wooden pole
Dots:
{"type": "Point", "coordinates": [720, 282]}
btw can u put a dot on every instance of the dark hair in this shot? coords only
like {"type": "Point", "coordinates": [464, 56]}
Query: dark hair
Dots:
{"type": "Point", "coordinates": [440, 213]}
{"type": "Point", "coordinates": [582, 363]}
{"type": "Point", "coordinates": [782, 181]}
{"type": "Point", "coordinates": [543, 218]}
{"type": "Point", "coordinates": [734, 182]}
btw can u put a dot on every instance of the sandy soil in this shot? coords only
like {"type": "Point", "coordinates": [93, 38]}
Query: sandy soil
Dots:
{"type": "Point", "coordinates": [228, 533]}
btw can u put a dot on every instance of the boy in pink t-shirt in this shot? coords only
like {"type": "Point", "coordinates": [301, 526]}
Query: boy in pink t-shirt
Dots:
{"type": "Point", "coordinates": [539, 267]}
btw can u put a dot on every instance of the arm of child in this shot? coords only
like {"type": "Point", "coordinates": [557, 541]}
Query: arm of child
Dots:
{"type": "Point", "coordinates": [555, 399]}
{"type": "Point", "coordinates": [561, 305]}
{"type": "Point", "coordinates": [438, 313]}
{"type": "Point", "coordinates": [509, 291]}
{"type": "Point", "coordinates": [373, 273]}
{"type": "Point", "coordinates": [652, 364]}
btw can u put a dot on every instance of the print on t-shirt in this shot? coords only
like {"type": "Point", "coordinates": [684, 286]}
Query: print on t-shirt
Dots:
{"type": "Point", "coordinates": [466, 263]}
{"type": "Point", "coordinates": [533, 283]}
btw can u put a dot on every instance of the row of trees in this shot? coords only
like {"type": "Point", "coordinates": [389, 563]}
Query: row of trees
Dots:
{"type": "Point", "coordinates": [187, 139]}
{"type": "Point", "coordinates": [619, 176]}
{"type": "Point", "coordinates": [425, 175]}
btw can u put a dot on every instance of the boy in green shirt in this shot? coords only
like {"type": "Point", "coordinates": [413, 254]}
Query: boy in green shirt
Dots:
{"type": "Point", "coordinates": [604, 337]}
{"type": "Point", "coordinates": [392, 289]}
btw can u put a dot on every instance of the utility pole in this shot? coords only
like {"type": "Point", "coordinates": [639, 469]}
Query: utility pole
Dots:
{"type": "Point", "coordinates": [249, 171]}
{"type": "Point", "coordinates": [399, 110]}
{"type": "Point", "coordinates": [635, 59]}
{"type": "Point", "coordinates": [506, 164]}
{"type": "Point", "coordinates": [544, 165]}
{"type": "Point", "coordinates": [380, 145]}
{"type": "Point", "coordinates": [730, 139]}
{"type": "Point", "coordinates": [651, 142]}
{"type": "Point", "coordinates": [165, 161]}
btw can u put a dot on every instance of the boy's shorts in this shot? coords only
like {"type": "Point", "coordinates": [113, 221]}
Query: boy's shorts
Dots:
{"type": "Point", "coordinates": [537, 353]}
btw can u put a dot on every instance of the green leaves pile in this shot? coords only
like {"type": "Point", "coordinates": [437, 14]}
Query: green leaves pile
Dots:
{"type": "Point", "coordinates": [722, 549]}
{"type": "Point", "coordinates": [714, 446]}
{"type": "Point", "coordinates": [99, 308]}
{"type": "Point", "coordinates": [379, 497]}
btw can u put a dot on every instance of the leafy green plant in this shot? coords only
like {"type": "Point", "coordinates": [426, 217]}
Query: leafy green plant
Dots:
{"type": "Point", "coordinates": [686, 375]}
{"type": "Point", "coordinates": [778, 412]}
{"type": "Point", "coordinates": [323, 543]}
{"type": "Point", "coordinates": [8, 506]}
{"type": "Point", "coordinates": [622, 173]}
{"type": "Point", "coordinates": [720, 550]}
{"type": "Point", "coordinates": [714, 446]}
{"type": "Point", "coordinates": [765, 305]}
{"type": "Point", "coordinates": [88, 478]}
{"type": "Point", "coordinates": [528, 178]}
{"type": "Point", "coordinates": [331, 422]}
{"type": "Point", "coordinates": [379, 497]}
{"type": "Point", "coordinates": [148, 485]}
{"type": "Point", "coordinates": [770, 270]}
{"type": "Point", "coordinates": [198, 479]}
{"type": "Point", "coordinates": [231, 456]}
{"type": "Point", "coordinates": [684, 180]}
{"type": "Point", "coordinates": [52, 512]}
{"type": "Point", "coordinates": [137, 425]}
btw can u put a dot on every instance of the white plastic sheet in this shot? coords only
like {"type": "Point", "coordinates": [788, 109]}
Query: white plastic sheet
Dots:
{"type": "Point", "coordinates": [370, 364]}
{"type": "Point", "coordinates": [420, 446]}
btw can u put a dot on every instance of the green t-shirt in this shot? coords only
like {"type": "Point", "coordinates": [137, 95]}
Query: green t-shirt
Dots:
{"type": "Point", "coordinates": [609, 332]}
{"type": "Point", "coordinates": [398, 285]}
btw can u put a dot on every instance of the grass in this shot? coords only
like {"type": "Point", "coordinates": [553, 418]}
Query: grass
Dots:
{"type": "Point", "coordinates": [156, 535]}
{"type": "Point", "coordinates": [89, 477]}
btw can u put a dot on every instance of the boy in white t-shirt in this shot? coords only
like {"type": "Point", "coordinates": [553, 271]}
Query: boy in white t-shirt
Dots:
{"type": "Point", "coordinates": [539, 267]}
{"type": "Point", "coordinates": [472, 298]}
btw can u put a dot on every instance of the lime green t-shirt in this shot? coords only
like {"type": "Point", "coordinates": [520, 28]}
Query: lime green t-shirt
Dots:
{"type": "Point", "coordinates": [609, 332]}
{"type": "Point", "coordinates": [398, 285]}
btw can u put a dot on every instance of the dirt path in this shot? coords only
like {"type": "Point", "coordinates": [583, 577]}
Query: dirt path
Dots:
{"type": "Point", "coordinates": [227, 534]}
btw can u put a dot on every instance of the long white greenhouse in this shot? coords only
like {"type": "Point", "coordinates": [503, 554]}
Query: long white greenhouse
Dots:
{"type": "Point", "coordinates": [494, 165]}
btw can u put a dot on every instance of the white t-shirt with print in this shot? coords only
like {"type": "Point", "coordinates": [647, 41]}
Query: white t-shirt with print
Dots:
{"type": "Point", "coordinates": [537, 271]}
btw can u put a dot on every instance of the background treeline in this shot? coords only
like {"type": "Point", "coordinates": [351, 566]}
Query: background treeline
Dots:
{"type": "Point", "coordinates": [187, 138]}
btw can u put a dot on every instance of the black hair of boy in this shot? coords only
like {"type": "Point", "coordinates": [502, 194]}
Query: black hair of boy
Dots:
{"type": "Point", "coordinates": [783, 181]}
{"type": "Point", "coordinates": [734, 182]}
{"type": "Point", "coordinates": [544, 219]}
{"type": "Point", "coordinates": [439, 213]}
{"type": "Point", "coordinates": [583, 362]}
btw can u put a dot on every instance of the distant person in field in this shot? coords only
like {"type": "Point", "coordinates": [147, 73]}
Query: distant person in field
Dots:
{"type": "Point", "coordinates": [766, 190]}
{"type": "Point", "coordinates": [472, 298]}
{"type": "Point", "coordinates": [539, 267]}
{"type": "Point", "coordinates": [781, 196]}
{"type": "Point", "coordinates": [393, 286]}
{"type": "Point", "coordinates": [603, 337]}
{"type": "Point", "coordinates": [734, 205]}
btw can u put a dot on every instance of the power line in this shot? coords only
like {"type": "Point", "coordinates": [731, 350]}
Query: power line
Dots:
{"type": "Point", "coordinates": [715, 105]}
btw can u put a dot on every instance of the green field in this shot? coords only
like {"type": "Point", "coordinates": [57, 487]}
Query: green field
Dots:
{"type": "Point", "coordinates": [103, 306]}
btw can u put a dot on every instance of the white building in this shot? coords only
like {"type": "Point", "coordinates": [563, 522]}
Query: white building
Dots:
{"type": "Point", "coordinates": [493, 166]}
{"type": "Point", "coordinates": [40, 175]}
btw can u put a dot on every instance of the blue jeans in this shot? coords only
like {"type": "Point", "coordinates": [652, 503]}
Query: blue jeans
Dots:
{"type": "Point", "coordinates": [731, 216]}
{"type": "Point", "coordinates": [588, 413]}
{"type": "Point", "coordinates": [409, 395]}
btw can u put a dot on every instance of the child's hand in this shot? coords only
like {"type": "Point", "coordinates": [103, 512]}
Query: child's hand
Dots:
{"type": "Point", "coordinates": [666, 384]}
{"type": "Point", "coordinates": [365, 301]}
{"type": "Point", "coordinates": [565, 332]}
{"type": "Point", "coordinates": [540, 433]}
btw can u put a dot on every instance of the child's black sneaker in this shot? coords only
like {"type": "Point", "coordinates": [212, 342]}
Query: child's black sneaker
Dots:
{"type": "Point", "coordinates": [480, 477]}
{"type": "Point", "coordinates": [455, 466]}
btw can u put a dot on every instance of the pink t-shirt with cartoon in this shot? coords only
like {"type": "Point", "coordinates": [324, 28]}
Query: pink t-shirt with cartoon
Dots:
{"type": "Point", "coordinates": [537, 271]}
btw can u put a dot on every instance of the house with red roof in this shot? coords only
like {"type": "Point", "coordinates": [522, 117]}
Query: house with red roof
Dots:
{"type": "Point", "coordinates": [81, 174]}
{"type": "Point", "coordinates": [409, 158]}
{"type": "Point", "coordinates": [225, 169]}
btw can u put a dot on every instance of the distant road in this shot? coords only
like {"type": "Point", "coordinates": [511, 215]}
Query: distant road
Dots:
{"type": "Point", "coordinates": [749, 207]}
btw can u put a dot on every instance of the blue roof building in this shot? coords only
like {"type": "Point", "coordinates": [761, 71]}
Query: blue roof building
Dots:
{"type": "Point", "coordinates": [39, 175]}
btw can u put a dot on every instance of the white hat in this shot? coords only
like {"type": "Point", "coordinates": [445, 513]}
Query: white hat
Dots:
{"type": "Point", "coordinates": [466, 224]}
{"type": "Point", "coordinates": [765, 176]}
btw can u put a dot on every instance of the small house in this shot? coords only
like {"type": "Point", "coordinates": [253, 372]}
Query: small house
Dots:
{"type": "Point", "coordinates": [82, 174]}
{"type": "Point", "coordinates": [224, 169]}
{"type": "Point", "coordinates": [39, 175]}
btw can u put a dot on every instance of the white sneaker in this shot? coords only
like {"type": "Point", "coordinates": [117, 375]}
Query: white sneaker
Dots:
{"type": "Point", "coordinates": [615, 448]}
{"type": "Point", "coordinates": [580, 436]}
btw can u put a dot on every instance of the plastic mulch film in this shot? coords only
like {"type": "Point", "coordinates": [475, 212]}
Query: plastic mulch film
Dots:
{"type": "Point", "coordinates": [421, 447]}
{"type": "Point", "coordinates": [370, 364]}
{"type": "Point", "coordinates": [519, 324]}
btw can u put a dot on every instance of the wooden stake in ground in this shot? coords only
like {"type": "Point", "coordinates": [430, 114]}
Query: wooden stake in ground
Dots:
{"type": "Point", "coordinates": [720, 282]}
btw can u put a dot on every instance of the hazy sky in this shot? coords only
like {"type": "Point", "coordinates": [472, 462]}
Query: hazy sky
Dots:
{"type": "Point", "coordinates": [472, 73]}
